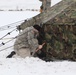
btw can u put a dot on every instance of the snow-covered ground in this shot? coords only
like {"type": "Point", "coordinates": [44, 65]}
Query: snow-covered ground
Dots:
{"type": "Point", "coordinates": [22, 4]}
{"type": "Point", "coordinates": [29, 65]}
{"type": "Point", "coordinates": [35, 66]}
{"type": "Point", "coordinates": [19, 4]}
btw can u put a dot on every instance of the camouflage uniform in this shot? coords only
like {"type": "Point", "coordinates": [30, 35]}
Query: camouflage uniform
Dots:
{"type": "Point", "coordinates": [26, 42]}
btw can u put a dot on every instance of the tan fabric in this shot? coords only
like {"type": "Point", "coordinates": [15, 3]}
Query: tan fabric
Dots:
{"type": "Point", "coordinates": [24, 52]}
{"type": "Point", "coordinates": [26, 42]}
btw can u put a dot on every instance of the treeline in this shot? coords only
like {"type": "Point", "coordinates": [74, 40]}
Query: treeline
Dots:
{"type": "Point", "coordinates": [19, 10]}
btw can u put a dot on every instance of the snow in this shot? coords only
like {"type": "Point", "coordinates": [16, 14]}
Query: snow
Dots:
{"type": "Point", "coordinates": [28, 65]}
{"type": "Point", "coordinates": [15, 16]}
{"type": "Point", "coordinates": [35, 66]}
{"type": "Point", "coordinates": [22, 4]}
{"type": "Point", "coordinates": [53, 2]}
{"type": "Point", "coordinates": [19, 4]}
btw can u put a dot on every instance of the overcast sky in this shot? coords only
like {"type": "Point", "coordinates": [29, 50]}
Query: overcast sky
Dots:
{"type": "Point", "coordinates": [16, 2]}
{"type": "Point", "coordinates": [22, 4]}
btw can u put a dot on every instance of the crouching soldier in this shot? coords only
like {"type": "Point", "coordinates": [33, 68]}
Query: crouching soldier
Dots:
{"type": "Point", "coordinates": [26, 43]}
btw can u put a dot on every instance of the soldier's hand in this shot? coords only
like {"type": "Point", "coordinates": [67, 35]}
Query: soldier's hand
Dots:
{"type": "Point", "coordinates": [40, 47]}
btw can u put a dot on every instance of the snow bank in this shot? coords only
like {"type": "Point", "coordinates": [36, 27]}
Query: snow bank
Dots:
{"type": "Point", "coordinates": [35, 66]}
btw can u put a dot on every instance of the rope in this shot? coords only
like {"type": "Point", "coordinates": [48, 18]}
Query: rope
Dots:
{"type": "Point", "coordinates": [7, 34]}
{"type": "Point", "coordinates": [7, 38]}
{"type": "Point", "coordinates": [13, 45]}
{"type": "Point", "coordinates": [12, 25]}
{"type": "Point", "coordinates": [6, 42]}
{"type": "Point", "coordinates": [11, 40]}
{"type": "Point", "coordinates": [6, 48]}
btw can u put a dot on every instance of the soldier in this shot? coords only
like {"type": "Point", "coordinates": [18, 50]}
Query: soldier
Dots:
{"type": "Point", "coordinates": [26, 42]}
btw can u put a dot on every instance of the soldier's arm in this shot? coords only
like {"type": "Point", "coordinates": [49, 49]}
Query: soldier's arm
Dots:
{"type": "Point", "coordinates": [33, 42]}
